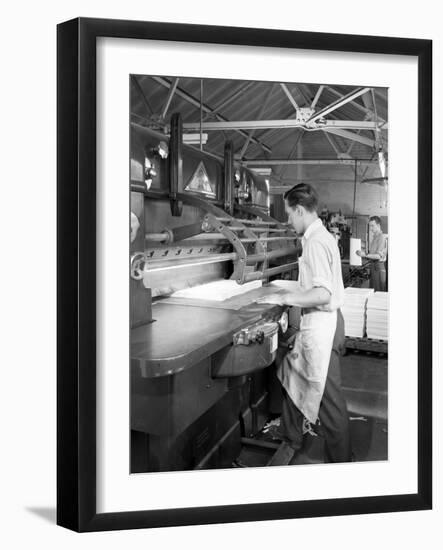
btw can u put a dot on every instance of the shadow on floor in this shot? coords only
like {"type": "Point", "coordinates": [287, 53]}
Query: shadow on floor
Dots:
{"type": "Point", "coordinates": [48, 514]}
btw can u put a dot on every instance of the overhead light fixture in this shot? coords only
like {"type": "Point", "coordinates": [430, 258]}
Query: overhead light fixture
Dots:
{"type": "Point", "coordinates": [262, 171]}
{"type": "Point", "coordinates": [194, 139]}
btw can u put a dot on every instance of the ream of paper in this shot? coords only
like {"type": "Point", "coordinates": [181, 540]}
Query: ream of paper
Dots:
{"type": "Point", "coordinates": [219, 290]}
{"type": "Point", "coordinates": [354, 259]}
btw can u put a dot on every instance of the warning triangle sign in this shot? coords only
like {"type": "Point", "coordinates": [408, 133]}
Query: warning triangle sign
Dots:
{"type": "Point", "coordinates": [200, 182]}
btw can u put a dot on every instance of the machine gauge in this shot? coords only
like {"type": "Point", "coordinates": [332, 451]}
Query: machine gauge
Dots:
{"type": "Point", "coordinates": [284, 321]}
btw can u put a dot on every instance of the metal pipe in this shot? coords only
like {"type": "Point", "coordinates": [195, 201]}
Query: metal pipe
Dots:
{"type": "Point", "coordinates": [206, 237]}
{"type": "Point", "coordinates": [183, 260]}
{"type": "Point", "coordinates": [285, 123]}
{"type": "Point", "coordinates": [257, 229]}
{"type": "Point", "coordinates": [151, 267]}
{"type": "Point", "coordinates": [158, 237]}
{"type": "Point", "coordinates": [272, 254]}
{"type": "Point", "coordinates": [138, 187]}
{"type": "Point", "coordinates": [267, 239]}
{"type": "Point", "coordinates": [175, 162]}
{"type": "Point", "coordinates": [245, 222]}
{"type": "Point", "coordinates": [355, 188]}
{"type": "Point", "coordinates": [228, 181]}
{"type": "Point", "coordinates": [169, 98]}
{"type": "Point", "coordinates": [278, 162]}
{"type": "Point", "coordinates": [201, 114]}
{"type": "Point", "coordinates": [257, 275]}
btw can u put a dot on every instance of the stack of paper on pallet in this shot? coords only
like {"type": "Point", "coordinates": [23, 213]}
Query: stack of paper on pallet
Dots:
{"type": "Point", "coordinates": [354, 309]}
{"type": "Point", "coordinates": [220, 290]}
{"type": "Point", "coordinates": [377, 316]}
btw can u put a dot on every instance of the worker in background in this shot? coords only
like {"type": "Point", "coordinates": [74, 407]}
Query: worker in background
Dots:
{"type": "Point", "coordinates": [376, 253]}
{"type": "Point", "coordinates": [310, 372]}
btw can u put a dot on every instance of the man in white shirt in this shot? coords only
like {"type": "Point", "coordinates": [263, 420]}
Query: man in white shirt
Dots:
{"type": "Point", "coordinates": [310, 373]}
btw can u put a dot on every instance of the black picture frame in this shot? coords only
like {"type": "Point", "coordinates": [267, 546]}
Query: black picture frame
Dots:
{"type": "Point", "coordinates": [76, 280]}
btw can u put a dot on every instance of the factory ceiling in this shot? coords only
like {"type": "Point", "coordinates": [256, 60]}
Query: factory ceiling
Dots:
{"type": "Point", "coordinates": [273, 125]}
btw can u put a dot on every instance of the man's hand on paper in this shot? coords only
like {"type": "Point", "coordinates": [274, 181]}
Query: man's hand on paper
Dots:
{"type": "Point", "coordinates": [272, 299]}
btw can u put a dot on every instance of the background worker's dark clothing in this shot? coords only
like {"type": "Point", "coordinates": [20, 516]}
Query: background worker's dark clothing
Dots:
{"type": "Point", "coordinates": [378, 246]}
{"type": "Point", "coordinates": [333, 414]}
{"type": "Point", "coordinates": [378, 275]}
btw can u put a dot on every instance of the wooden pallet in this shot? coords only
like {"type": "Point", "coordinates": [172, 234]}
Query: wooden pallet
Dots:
{"type": "Point", "coordinates": [366, 344]}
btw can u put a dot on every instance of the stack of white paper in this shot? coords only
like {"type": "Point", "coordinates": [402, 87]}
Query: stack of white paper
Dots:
{"type": "Point", "coordinates": [354, 310]}
{"type": "Point", "coordinates": [354, 246]}
{"type": "Point", "coordinates": [219, 291]}
{"type": "Point", "coordinates": [377, 316]}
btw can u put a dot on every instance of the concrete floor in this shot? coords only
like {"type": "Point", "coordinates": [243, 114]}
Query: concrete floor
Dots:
{"type": "Point", "coordinates": [365, 385]}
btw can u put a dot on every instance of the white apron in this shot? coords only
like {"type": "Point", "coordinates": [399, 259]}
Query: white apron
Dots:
{"type": "Point", "coordinates": [304, 369]}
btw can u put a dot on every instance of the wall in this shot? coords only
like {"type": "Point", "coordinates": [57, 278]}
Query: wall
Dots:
{"type": "Point", "coordinates": [335, 187]}
{"type": "Point", "coordinates": [27, 406]}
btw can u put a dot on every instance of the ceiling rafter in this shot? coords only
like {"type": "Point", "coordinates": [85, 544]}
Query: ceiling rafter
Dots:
{"type": "Point", "coordinates": [169, 97]}
{"type": "Point", "coordinates": [280, 124]}
{"type": "Point", "coordinates": [142, 95]}
{"type": "Point", "coordinates": [196, 103]}
{"type": "Point", "coordinates": [338, 103]}
{"type": "Point", "coordinates": [289, 96]}
{"type": "Point", "coordinates": [355, 104]}
{"type": "Point", "coordinates": [229, 99]}
{"type": "Point", "coordinates": [259, 115]}
{"type": "Point", "coordinates": [317, 96]}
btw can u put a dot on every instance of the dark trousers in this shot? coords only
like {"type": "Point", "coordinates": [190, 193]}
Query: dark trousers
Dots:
{"type": "Point", "coordinates": [378, 276]}
{"type": "Point", "coordinates": [333, 414]}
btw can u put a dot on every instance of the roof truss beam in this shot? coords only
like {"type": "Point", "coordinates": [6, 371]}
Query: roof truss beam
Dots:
{"type": "Point", "coordinates": [169, 97]}
{"type": "Point", "coordinates": [260, 114]}
{"type": "Point", "coordinates": [351, 135]}
{"type": "Point", "coordinates": [230, 99]}
{"type": "Point", "coordinates": [280, 124]}
{"type": "Point", "coordinates": [289, 96]}
{"type": "Point", "coordinates": [317, 96]}
{"type": "Point", "coordinates": [363, 109]}
{"type": "Point", "coordinates": [205, 108]}
{"type": "Point", "coordinates": [314, 162]}
{"type": "Point", "coordinates": [339, 103]}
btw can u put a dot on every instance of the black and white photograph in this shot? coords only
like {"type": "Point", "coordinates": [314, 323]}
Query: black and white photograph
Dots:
{"type": "Point", "coordinates": [259, 273]}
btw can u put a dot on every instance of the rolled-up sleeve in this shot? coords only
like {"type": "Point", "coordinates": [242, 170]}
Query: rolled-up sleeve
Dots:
{"type": "Point", "coordinates": [318, 258]}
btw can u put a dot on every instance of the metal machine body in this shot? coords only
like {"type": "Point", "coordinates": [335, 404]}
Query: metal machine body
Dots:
{"type": "Point", "coordinates": [198, 367]}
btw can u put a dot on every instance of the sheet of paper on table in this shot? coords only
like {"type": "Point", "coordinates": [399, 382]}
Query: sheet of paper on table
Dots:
{"type": "Point", "coordinates": [219, 291]}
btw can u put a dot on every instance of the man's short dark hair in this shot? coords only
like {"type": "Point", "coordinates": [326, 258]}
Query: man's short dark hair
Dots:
{"type": "Point", "coordinates": [375, 219]}
{"type": "Point", "coordinates": [302, 194]}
